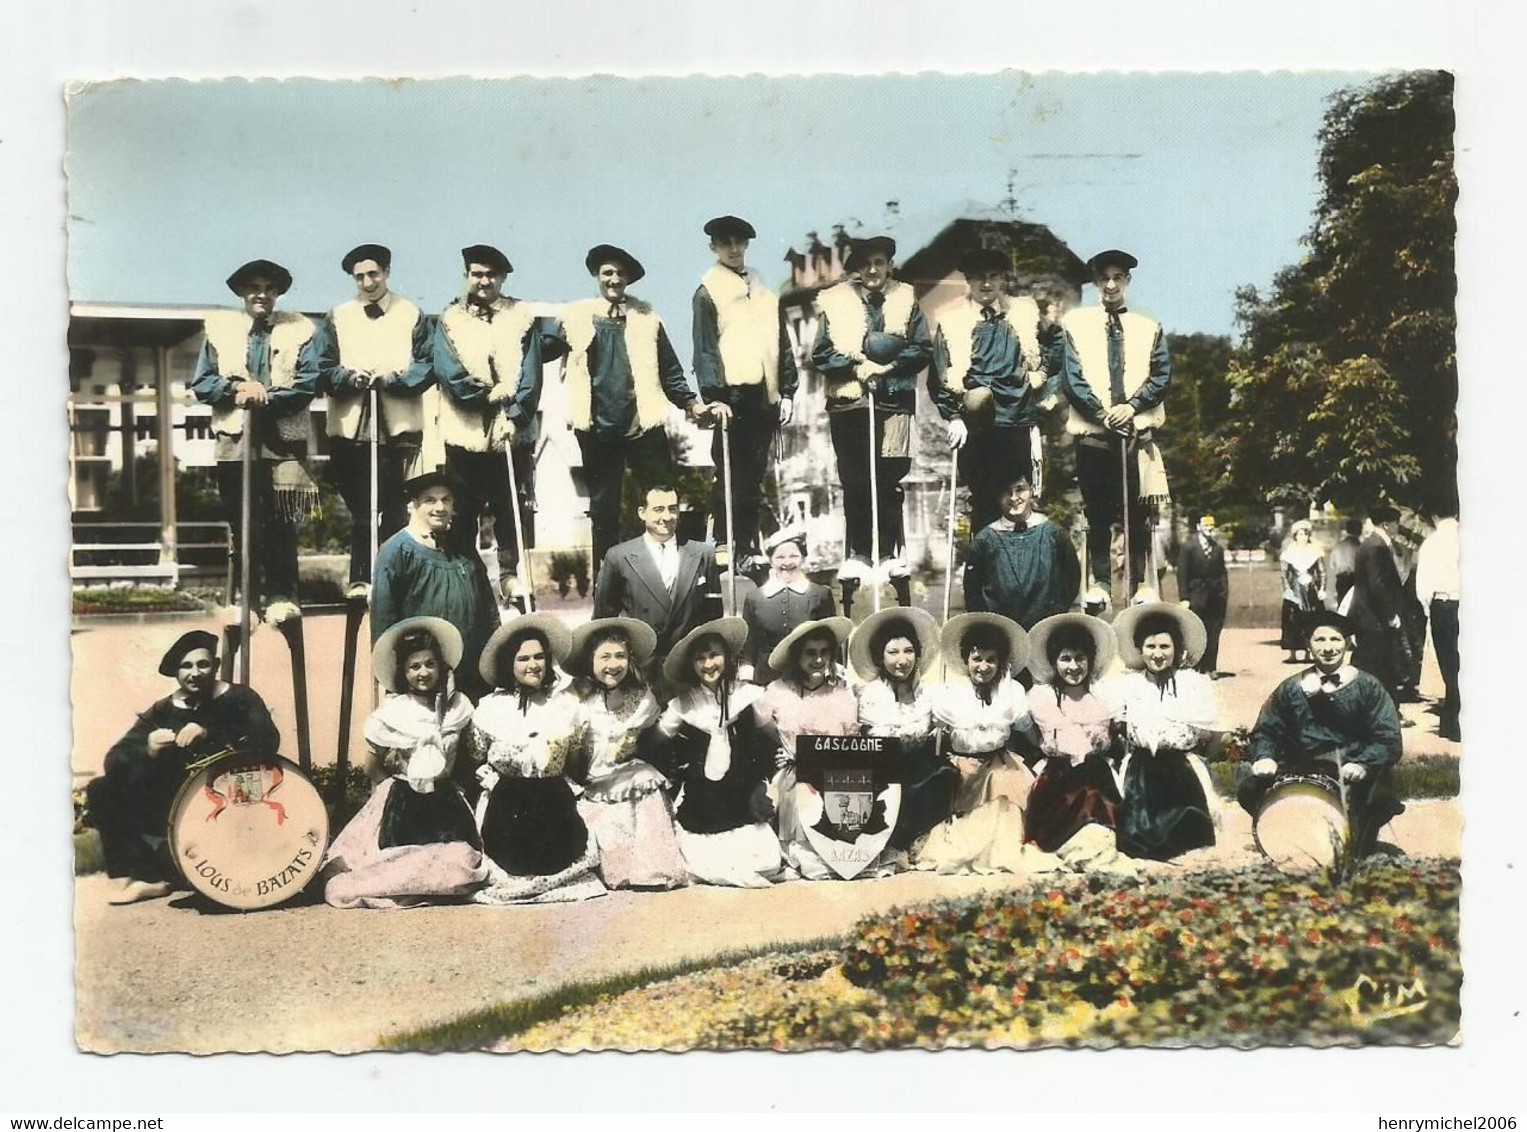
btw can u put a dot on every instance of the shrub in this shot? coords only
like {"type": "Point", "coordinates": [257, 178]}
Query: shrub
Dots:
{"type": "Point", "coordinates": [1241, 958]}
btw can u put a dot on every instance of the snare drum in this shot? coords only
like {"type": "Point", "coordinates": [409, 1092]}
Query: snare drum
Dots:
{"type": "Point", "coordinates": [248, 832]}
{"type": "Point", "coordinates": [1301, 823]}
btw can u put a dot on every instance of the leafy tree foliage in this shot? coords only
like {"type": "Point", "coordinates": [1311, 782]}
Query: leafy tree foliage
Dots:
{"type": "Point", "coordinates": [1345, 380]}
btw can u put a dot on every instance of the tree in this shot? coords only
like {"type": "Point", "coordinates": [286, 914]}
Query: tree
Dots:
{"type": "Point", "coordinates": [1345, 380]}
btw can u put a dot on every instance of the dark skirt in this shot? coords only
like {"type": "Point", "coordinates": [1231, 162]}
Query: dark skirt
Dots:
{"type": "Point", "coordinates": [1294, 639]}
{"type": "Point", "coordinates": [531, 826]}
{"type": "Point", "coordinates": [928, 785]}
{"type": "Point", "coordinates": [411, 818]}
{"type": "Point", "coordinates": [1065, 798]}
{"type": "Point", "coordinates": [1164, 812]}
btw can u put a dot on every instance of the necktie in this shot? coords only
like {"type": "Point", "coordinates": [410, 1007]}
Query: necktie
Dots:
{"type": "Point", "coordinates": [875, 298]}
{"type": "Point", "coordinates": [261, 324]}
{"type": "Point", "coordinates": [988, 314]}
{"type": "Point", "coordinates": [373, 310]}
{"type": "Point", "coordinates": [477, 310]}
{"type": "Point", "coordinates": [1115, 326]}
{"type": "Point", "coordinates": [617, 312]}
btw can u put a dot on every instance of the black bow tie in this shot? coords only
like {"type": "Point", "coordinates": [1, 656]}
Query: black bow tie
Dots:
{"type": "Point", "coordinates": [477, 310]}
{"type": "Point", "coordinates": [374, 310]}
{"type": "Point", "coordinates": [1115, 327]}
{"type": "Point", "coordinates": [988, 314]}
{"type": "Point", "coordinates": [875, 298]}
{"type": "Point", "coordinates": [1330, 682]}
{"type": "Point", "coordinates": [261, 324]}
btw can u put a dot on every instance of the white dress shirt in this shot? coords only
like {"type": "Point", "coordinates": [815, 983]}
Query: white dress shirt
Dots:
{"type": "Point", "coordinates": [665, 556]}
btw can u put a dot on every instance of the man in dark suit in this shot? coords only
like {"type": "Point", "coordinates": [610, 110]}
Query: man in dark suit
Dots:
{"type": "Point", "coordinates": [1377, 597]}
{"type": "Point", "coordinates": [1204, 586]}
{"type": "Point", "coordinates": [655, 578]}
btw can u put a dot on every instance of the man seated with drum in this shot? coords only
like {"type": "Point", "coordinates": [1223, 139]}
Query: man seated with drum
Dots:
{"type": "Point", "coordinates": [130, 803]}
{"type": "Point", "coordinates": [1331, 722]}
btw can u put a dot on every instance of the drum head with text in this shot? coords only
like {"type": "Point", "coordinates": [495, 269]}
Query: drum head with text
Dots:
{"type": "Point", "coordinates": [248, 833]}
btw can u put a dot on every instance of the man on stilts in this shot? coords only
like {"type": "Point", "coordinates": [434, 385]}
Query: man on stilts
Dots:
{"type": "Point", "coordinates": [743, 360]}
{"type": "Point", "coordinates": [373, 350]}
{"type": "Point", "coordinates": [621, 376]}
{"type": "Point", "coordinates": [872, 342]}
{"type": "Point", "coordinates": [487, 357]}
{"type": "Point", "coordinates": [1116, 372]}
{"type": "Point", "coordinates": [259, 370]}
{"type": "Point", "coordinates": [992, 374]}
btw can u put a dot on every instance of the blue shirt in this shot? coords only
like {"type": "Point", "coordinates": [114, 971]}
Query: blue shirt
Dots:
{"type": "Point", "coordinates": [995, 363]}
{"type": "Point", "coordinates": [612, 389]}
{"type": "Point", "coordinates": [334, 376]}
{"type": "Point", "coordinates": [709, 372]}
{"type": "Point", "coordinates": [210, 387]}
{"type": "Point", "coordinates": [896, 389]}
{"type": "Point", "coordinates": [462, 387]}
{"type": "Point", "coordinates": [1150, 394]}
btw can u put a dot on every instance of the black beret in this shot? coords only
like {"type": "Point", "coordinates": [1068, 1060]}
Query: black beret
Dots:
{"type": "Point", "coordinates": [609, 253]}
{"type": "Point", "coordinates": [488, 256]}
{"type": "Point", "coordinates": [1112, 257]}
{"type": "Point", "coordinates": [1317, 618]}
{"type": "Point", "coordinates": [277, 274]}
{"type": "Point", "coordinates": [867, 245]}
{"type": "Point", "coordinates": [978, 261]}
{"type": "Point", "coordinates": [729, 226]}
{"type": "Point", "coordinates": [169, 664]}
{"type": "Point", "coordinates": [382, 255]}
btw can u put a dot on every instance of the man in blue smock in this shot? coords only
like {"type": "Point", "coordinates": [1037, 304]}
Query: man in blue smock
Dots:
{"type": "Point", "coordinates": [742, 360]}
{"type": "Point", "coordinates": [377, 341]}
{"type": "Point", "coordinates": [621, 375]}
{"type": "Point", "coordinates": [487, 357]}
{"type": "Point", "coordinates": [993, 364]}
{"type": "Point", "coordinates": [258, 362]}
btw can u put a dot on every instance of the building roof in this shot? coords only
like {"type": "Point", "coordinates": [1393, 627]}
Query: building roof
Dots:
{"type": "Point", "coordinates": [931, 247]}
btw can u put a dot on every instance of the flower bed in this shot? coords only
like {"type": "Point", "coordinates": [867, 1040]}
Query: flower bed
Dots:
{"type": "Point", "coordinates": [1250, 957]}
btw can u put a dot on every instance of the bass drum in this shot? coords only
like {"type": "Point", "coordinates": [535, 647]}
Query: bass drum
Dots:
{"type": "Point", "coordinates": [1301, 824]}
{"type": "Point", "coordinates": [248, 832]}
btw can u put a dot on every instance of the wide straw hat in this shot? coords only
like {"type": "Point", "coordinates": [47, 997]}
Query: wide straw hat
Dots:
{"type": "Point", "coordinates": [642, 639]}
{"type": "Point", "coordinates": [732, 630]}
{"type": "Point", "coordinates": [956, 628]}
{"type": "Point", "coordinates": [384, 654]}
{"type": "Point", "coordinates": [1194, 636]}
{"type": "Point", "coordinates": [919, 626]}
{"type": "Point", "coordinates": [841, 629]}
{"type": "Point", "coordinates": [558, 639]}
{"type": "Point", "coordinates": [1103, 644]}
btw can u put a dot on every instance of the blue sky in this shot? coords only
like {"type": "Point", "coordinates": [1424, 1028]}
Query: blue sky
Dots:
{"type": "Point", "coordinates": [1209, 179]}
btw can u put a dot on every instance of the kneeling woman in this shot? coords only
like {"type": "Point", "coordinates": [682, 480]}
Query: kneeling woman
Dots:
{"type": "Point", "coordinates": [984, 712]}
{"type": "Point", "coordinates": [890, 650]}
{"type": "Point", "coordinates": [414, 840]}
{"type": "Point", "coordinates": [1168, 715]}
{"type": "Point", "coordinates": [1074, 806]}
{"type": "Point", "coordinates": [526, 733]}
{"type": "Point", "coordinates": [809, 698]}
{"type": "Point", "coordinates": [712, 742]}
{"type": "Point", "coordinates": [623, 804]}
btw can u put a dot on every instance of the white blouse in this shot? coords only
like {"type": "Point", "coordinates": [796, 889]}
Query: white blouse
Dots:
{"type": "Point", "coordinates": [1157, 718]}
{"type": "Point", "coordinates": [977, 728]}
{"type": "Point", "coordinates": [886, 716]}
{"type": "Point", "coordinates": [535, 743]}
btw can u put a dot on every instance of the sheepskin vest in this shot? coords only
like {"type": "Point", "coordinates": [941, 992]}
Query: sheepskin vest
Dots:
{"type": "Point", "coordinates": [1088, 328]}
{"type": "Point", "coordinates": [848, 323]}
{"type": "Point", "coordinates": [228, 334]}
{"type": "Point", "coordinates": [747, 324]}
{"type": "Point", "coordinates": [375, 345]}
{"type": "Point", "coordinates": [642, 326]}
{"type": "Point", "coordinates": [492, 352]}
{"type": "Point", "coordinates": [959, 325]}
